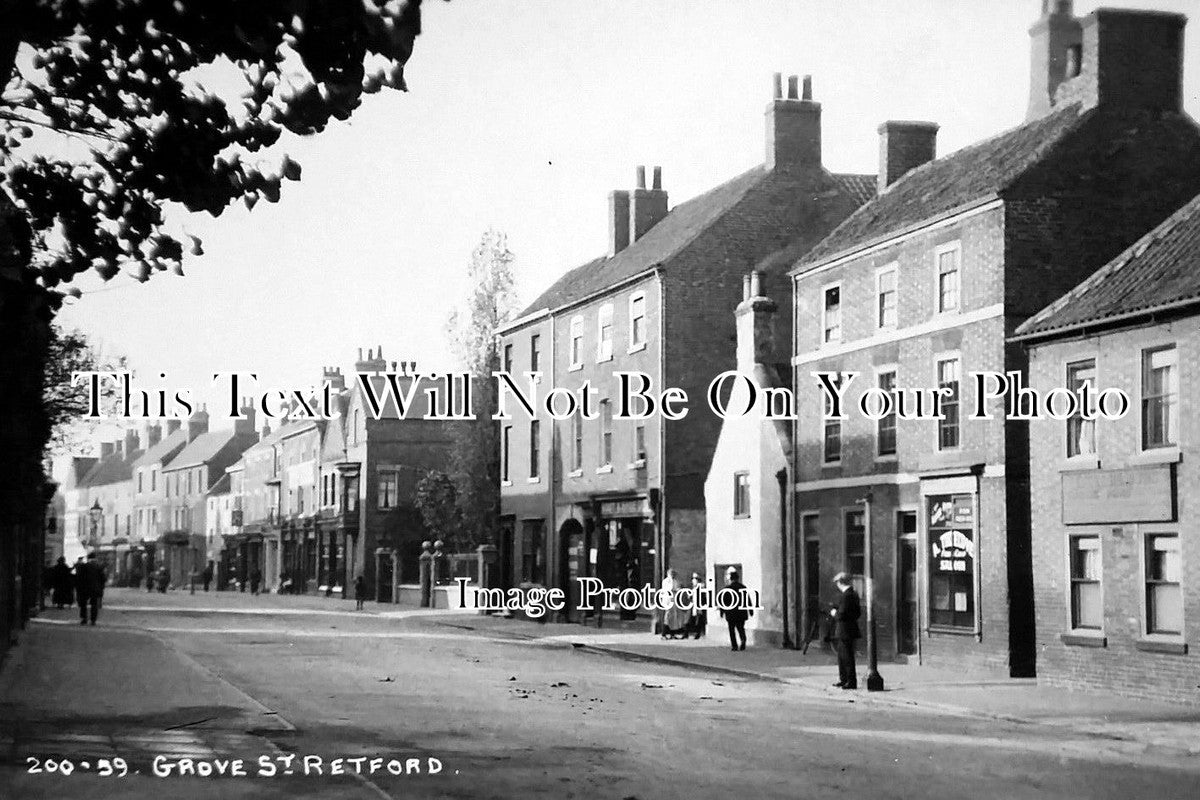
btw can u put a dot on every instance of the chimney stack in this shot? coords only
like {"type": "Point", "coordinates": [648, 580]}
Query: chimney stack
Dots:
{"type": "Point", "coordinates": [618, 221]}
{"type": "Point", "coordinates": [149, 435]}
{"type": "Point", "coordinates": [755, 317]}
{"type": "Point", "coordinates": [374, 362]}
{"type": "Point", "coordinates": [793, 127]}
{"type": "Point", "coordinates": [107, 449]}
{"type": "Point", "coordinates": [197, 423]}
{"type": "Point", "coordinates": [647, 206]}
{"type": "Point", "coordinates": [904, 146]}
{"type": "Point", "coordinates": [337, 381]}
{"type": "Point", "coordinates": [172, 426]}
{"type": "Point", "coordinates": [130, 443]}
{"type": "Point", "coordinates": [1115, 57]}
{"type": "Point", "coordinates": [245, 427]}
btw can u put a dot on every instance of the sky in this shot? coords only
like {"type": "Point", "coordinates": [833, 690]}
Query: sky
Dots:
{"type": "Point", "coordinates": [521, 116]}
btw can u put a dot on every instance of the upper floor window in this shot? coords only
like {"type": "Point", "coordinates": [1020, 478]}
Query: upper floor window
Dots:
{"type": "Point", "coordinates": [1081, 433]}
{"type": "Point", "coordinates": [153, 480]}
{"type": "Point", "coordinates": [139, 481]}
{"type": "Point", "coordinates": [577, 441]}
{"type": "Point", "coordinates": [637, 321]}
{"type": "Point", "coordinates": [741, 494]}
{"type": "Point", "coordinates": [885, 297]}
{"type": "Point", "coordinates": [639, 443]}
{"type": "Point", "coordinates": [354, 428]}
{"type": "Point", "coordinates": [389, 488]}
{"type": "Point", "coordinates": [535, 353]}
{"type": "Point", "coordinates": [604, 333]}
{"type": "Point", "coordinates": [508, 358]}
{"type": "Point", "coordinates": [606, 420]}
{"type": "Point", "coordinates": [1087, 610]}
{"type": "Point", "coordinates": [535, 449]}
{"type": "Point", "coordinates": [832, 447]}
{"type": "Point", "coordinates": [576, 342]}
{"type": "Point", "coordinates": [1164, 595]}
{"type": "Point", "coordinates": [948, 378]}
{"type": "Point", "coordinates": [1160, 390]}
{"type": "Point", "coordinates": [831, 314]}
{"type": "Point", "coordinates": [948, 278]}
{"type": "Point", "coordinates": [885, 427]}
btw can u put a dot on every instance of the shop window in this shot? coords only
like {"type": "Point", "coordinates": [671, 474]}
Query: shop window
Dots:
{"type": "Point", "coordinates": [1164, 595]}
{"type": "Point", "coordinates": [1087, 610]}
{"type": "Point", "coordinates": [952, 561]}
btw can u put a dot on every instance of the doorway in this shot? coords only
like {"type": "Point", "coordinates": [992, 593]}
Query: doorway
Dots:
{"type": "Point", "coordinates": [574, 566]}
{"type": "Point", "coordinates": [812, 578]}
{"type": "Point", "coordinates": [907, 623]}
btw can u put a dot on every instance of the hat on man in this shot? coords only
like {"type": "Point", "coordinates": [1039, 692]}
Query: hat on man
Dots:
{"type": "Point", "coordinates": [732, 572]}
{"type": "Point", "coordinates": [841, 577]}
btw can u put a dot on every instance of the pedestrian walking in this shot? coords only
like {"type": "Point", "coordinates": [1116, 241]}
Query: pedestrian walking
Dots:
{"type": "Point", "coordinates": [62, 584]}
{"type": "Point", "coordinates": [207, 576]}
{"type": "Point", "coordinates": [360, 592]}
{"type": "Point", "coordinates": [164, 580]}
{"type": "Point", "coordinates": [89, 589]}
{"type": "Point", "coordinates": [736, 618]}
{"type": "Point", "coordinates": [255, 580]}
{"type": "Point", "coordinates": [674, 622]}
{"type": "Point", "coordinates": [845, 630]}
{"type": "Point", "coordinates": [698, 621]}
{"type": "Point", "coordinates": [149, 580]}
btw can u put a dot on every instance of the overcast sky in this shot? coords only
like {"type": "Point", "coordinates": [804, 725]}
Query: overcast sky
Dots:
{"type": "Point", "coordinates": [522, 116]}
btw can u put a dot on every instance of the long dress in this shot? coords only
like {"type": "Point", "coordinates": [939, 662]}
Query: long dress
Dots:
{"type": "Point", "coordinates": [64, 585]}
{"type": "Point", "coordinates": [675, 618]}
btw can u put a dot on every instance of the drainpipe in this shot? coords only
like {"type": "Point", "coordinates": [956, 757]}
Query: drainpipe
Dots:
{"type": "Point", "coordinates": [782, 477]}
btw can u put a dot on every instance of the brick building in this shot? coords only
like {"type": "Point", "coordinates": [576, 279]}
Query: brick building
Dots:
{"type": "Point", "coordinates": [920, 287]}
{"type": "Point", "coordinates": [1116, 566]}
{"type": "Point", "coordinates": [624, 499]}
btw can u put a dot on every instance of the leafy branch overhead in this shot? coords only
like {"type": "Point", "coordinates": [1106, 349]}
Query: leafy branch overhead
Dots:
{"type": "Point", "coordinates": [112, 109]}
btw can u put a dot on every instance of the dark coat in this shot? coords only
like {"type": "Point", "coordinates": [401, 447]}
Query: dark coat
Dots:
{"type": "Point", "coordinates": [845, 624]}
{"type": "Point", "coordinates": [737, 616]}
{"type": "Point", "coordinates": [63, 584]}
{"type": "Point", "coordinates": [90, 580]}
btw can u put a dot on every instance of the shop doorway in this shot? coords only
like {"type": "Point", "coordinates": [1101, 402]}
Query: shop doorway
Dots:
{"type": "Point", "coordinates": [573, 547]}
{"type": "Point", "coordinates": [907, 623]}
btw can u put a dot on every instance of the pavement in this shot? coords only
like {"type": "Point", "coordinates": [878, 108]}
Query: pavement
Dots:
{"type": "Point", "coordinates": [514, 708]}
{"type": "Point", "coordinates": [955, 692]}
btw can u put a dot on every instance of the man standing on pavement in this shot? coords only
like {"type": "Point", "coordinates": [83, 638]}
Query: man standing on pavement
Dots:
{"type": "Point", "coordinates": [845, 630]}
{"type": "Point", "coordinates": [89, 589]}
{"type": "Point", "coordinates": [736, 618]}
{"type": "Point", "coordinates": [207, 576]}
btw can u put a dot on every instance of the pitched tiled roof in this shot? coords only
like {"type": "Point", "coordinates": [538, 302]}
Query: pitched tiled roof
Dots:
{"type": "Point", "coordinates": [113, 469]}
{"type": "Point", "coordinates": [204, 447]}
{"type": "Point", "coordinates": [163, 451]}
{"type": "Point", "coordinates": [1160, 270]}
{"type": "Point", "coordinates": [674, 232]}
{"type": "Point", "coordinates": [221, 486]}
{"type": "Point", "coordinates": [970, 174]}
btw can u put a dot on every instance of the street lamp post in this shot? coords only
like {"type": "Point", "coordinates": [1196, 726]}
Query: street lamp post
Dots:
{"type": "Point", "coordinates": [874, 679]}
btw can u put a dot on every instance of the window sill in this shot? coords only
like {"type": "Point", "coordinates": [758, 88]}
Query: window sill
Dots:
{"type": "Point", "coordinates": [604, 359]}
{"type": "Point", "coordinates": [636, 348]}
{"type": "Point", "coordinates": [1153, 645]}
{"type": "Point", "coordinates": [936, 630]}
{"type": "Point", "coordinates": [885, 459]}
{"type": "Point", "coordinates": [575, 367]}
{"type": "Point", "coordinates": [506, 483]}
{"type": "Point", "coordinates": [1158, 455]}
{"type": "Point", "coordinates": [575, 473]}
{"type": "Point", "coordinates": [533, 480]}
{"type": "Point", "coordinates": [639, 464]}
{"type": "Point", "coordinates": [607, 468]}
{"type": "Point", "coordinates": [741, 516]}
{"type": "Point", "coordinates": [1082, 462]}
{"type": "Point", "coordinates": [831, 464]}
{"type": "Point", "coordinates": [1084, 639]}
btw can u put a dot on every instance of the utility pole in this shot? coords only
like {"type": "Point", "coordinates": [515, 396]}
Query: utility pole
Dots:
{"type": "Point", "coordinates": [874, 679]}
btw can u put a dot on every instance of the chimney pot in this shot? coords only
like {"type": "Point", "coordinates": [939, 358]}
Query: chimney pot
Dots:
{"type": "Point", "coordinates": [656, 180]}
{"type": "Point", "coordinates": [641, 177]}
{"type": "Point", "coordinates": [807, 92]}
{"type": "Point", "coordinates": [793, 87]}
{"type": "Point", "coordinates": [777, 90]}
{"type": "Point", "coordinates": [756, 284]}
{"type": "Point", "coordinates": [646, 206]}
{"type": "Point", "coordinates": [745, 287]}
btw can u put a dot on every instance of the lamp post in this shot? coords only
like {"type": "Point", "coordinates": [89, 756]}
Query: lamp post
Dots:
{"type": "Point", "coordinates": [874, 679]}
{"type": "Point", "coordinates": [96, 514]}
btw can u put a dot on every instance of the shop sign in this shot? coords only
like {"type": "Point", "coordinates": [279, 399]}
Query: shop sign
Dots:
{"type": "Point", "coordinates": [1136, 494]}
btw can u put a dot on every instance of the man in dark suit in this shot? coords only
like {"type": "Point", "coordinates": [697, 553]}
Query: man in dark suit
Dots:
{"type": "Point", "coordinates": [89, 588]}
{"type": "Point", "coordinates": [845, 631]}
{"type": "Point", "coordinates": [736, 618]}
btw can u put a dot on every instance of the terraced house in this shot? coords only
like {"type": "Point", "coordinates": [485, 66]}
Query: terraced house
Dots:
{"type": "Point", "coordinates": [623, 499]}
{"type": "Point", "coordinates": [922, 286]}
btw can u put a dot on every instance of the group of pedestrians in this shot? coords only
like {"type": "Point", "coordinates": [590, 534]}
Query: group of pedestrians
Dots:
{"type": "Point", "coordinates": [83, 584]}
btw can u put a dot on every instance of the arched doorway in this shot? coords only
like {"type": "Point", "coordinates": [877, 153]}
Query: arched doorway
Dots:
{"type": "Point", "coordinates": [573, 552]}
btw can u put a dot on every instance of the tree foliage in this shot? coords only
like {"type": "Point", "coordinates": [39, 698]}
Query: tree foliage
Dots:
{"type": "Point", "coordinates": [65, 404]}
{"type": "Point", "coordinates": [122, 92]}
{"type": "Point", "coordinates": [437, 500]}
{"type": "Point", "coordinates": [490, 303]}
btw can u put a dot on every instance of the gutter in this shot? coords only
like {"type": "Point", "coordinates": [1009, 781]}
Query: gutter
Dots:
{"type": "Point", "coordinates": [1081, 328]}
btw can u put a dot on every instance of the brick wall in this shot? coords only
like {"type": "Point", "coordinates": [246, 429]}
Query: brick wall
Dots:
{"type": "Point", "coordinates": [1119, 665]}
